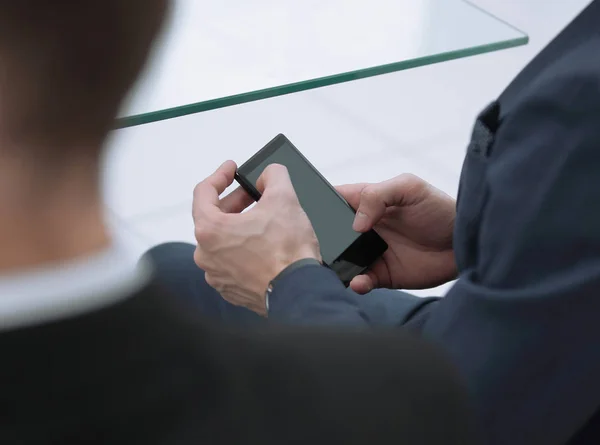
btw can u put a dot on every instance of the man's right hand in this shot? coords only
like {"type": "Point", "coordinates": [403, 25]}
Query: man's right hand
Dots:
{"type": "Point", "coordinates": [417, 222]}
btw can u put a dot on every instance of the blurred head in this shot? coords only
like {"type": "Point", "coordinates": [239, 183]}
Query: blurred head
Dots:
{"type": "Point", "coordinates": [65, 67]}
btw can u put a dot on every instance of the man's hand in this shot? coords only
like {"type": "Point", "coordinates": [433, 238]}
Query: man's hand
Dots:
{"type": "Point", "coordinates": [242, 252]}
{"type": "Point", "coordinates": [417, 221]}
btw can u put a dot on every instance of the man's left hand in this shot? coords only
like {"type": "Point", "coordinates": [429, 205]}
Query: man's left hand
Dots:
{"type": "Point", "coordinates": [242, 252]}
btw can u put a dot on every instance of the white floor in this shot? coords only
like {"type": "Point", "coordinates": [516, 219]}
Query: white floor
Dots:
{"type": "Point", "coordinates": [414, 121]}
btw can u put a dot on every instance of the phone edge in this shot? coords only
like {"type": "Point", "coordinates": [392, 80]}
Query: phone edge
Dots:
{"type": "Point", "coordinates": [247, 186]}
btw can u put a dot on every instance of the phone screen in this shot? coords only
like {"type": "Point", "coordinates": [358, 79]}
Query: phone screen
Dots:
{"type": "Point", "coordinates": [331, 217]}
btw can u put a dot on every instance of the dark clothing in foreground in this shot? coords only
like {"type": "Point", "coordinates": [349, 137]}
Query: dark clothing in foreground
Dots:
{"type": "Point", "coordinates": [149, 370]}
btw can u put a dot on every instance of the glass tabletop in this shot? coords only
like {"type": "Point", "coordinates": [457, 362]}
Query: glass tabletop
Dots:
{"type": "Point", "coordinates": [215, 54]}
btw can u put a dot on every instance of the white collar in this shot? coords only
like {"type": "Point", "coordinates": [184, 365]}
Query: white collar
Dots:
{"type": "Point", "coordinates": [71, 288]}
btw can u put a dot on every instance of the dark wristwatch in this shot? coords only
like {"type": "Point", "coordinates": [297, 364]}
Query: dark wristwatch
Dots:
{"type": "Point", "coordinates": [285, 272]}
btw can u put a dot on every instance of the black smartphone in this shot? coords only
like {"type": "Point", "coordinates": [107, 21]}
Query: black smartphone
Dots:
{"type": "Point", "coordinates": [346, 252]}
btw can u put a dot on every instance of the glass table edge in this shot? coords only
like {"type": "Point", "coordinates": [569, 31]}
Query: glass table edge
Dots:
{"type": "Point", "coordinates": [281, 90]}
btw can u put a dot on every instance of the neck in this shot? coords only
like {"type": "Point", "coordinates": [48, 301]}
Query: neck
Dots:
{"type": "Point", "coordinates": [47, 219]}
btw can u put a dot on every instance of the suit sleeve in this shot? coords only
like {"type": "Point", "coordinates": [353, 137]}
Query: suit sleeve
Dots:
{"type": "Point", "coordinates": [314, 295]}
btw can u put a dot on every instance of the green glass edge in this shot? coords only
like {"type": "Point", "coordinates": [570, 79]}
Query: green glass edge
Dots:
{"type": "Point", "coordinates": [184, 110]}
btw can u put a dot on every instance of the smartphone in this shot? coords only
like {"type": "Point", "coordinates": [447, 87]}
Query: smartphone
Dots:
{"type": "Point", "coordinates": [346, 252]}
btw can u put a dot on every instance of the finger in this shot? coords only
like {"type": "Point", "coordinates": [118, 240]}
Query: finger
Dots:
{"type": "Point", "coordinates": [210, 281]}
{"type": "Point", "coordinates": [236, 202]}
{"type": "Point", "coordinates": [200, 258]}
{"type": "Point", "coordinates": [363, 284]}
{"type": "Point", "coordinates": [275, 181]}
{"type": "Point", "coordinates": [351, 193]}
{"type": "Point", "coordinates": [206, 193]}
{"type": "Point", "coordinates": [376, 198]}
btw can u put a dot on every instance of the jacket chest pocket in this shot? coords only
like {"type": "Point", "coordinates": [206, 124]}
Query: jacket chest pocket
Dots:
{"type": "Point", "coordinates": [472, 192]}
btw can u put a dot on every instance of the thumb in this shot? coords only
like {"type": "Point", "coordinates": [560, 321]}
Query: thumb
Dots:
{"type": "Point", "coordinates": [402, 190]}
{"type": "Point", "coordinates": [370, 210]}
{"type": "Point", "coordinates": [275, 182]}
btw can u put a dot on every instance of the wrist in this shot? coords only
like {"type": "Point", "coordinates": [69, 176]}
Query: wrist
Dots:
{"type": "Point", "coordinates": [293, 266]}
{"type": "Point", "coordinates": [282, 262]}
{"type": "Point", "coordinates": [277, 265]}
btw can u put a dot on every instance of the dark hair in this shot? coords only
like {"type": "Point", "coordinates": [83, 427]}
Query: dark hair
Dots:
{"type": "Point", "coordinates": [66, 65]}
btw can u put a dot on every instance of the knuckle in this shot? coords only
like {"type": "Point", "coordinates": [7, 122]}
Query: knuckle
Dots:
{"type": "Point", "coordinates": [408, 177]}
{"type": "Point", "coordinates": [198, 188]}
{"type": "Point", "coordinates": [369, 194]}
{"type": "Point", "coordinates": [200, 259]}
{"type": "Point", "coordinates": [410, 184]}
{"type": "Point", "coordinates": [409, 180]}
{"type": "Point", "coordinates": [205, 234]}
{"type": "Point", "coordinates": [210, 280]}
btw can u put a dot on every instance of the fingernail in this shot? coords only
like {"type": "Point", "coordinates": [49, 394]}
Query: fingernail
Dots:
{"type": "Point", "coordinates": [361, 222]}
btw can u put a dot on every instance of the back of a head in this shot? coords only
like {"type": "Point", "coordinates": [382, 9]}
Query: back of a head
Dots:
{"type": "Point", "coordinates": [66, 65]}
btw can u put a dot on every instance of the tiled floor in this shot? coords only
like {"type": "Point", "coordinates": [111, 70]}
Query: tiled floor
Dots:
{"type": "Point", "coordinates": [369, 130]}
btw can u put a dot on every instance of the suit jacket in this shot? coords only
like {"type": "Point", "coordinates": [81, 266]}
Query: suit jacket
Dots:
{"type": "Point", "coordinates": [523, 321]}
{"type": "Point", "coordinates": [147, 370]}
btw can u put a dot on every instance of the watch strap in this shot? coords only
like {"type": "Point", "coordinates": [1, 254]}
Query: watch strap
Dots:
{"type": "Point", "coordinates": [285, 272]}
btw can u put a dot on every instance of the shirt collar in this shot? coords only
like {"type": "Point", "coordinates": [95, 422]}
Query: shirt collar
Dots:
{"type": "Point", "coordinates": [70, 288]}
